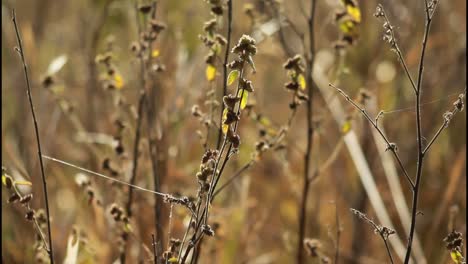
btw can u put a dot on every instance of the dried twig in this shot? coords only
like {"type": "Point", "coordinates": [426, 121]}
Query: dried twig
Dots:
{"type": "Point", "coordinates": [20, 50]}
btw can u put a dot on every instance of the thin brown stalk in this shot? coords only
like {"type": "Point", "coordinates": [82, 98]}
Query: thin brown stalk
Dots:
{"type": "Point", "coordinates": [310, 131]}
{"type": "Point", "coordinates": [420, 149]}
{"type": "Point", "coordinates": [38, 141]}
{"type": "Point", "coordinates": [153, 152]}
{"type": "Point", "coordinates": [225, 67]}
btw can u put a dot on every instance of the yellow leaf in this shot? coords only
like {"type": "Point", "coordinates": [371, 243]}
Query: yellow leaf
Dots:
{"type": "Point", "coordinates": [224, 127]}
{"type": "Point", "coordinates": [233, 75]}
{"type": "Point", "coordinates": [457, 257]}
{"type": "Point", "coordinates": [347, 26]}
{"type": "Point", "coordinates": [346, 127]}
{"type": "Point", "coordinates": [4, 179]}
{"type": "Point", "coordinates": [210, 72]}
{"type": "Point", "coordinates": [155, 53]}
{"type": "Point", "coordinates": [302, 81]}
{"type": "Point", "coordinates": [118, 81]}
{"type": "Point", "coordinates": [354, 12]}
{"type": "Point", "coordinates": [23, 183]}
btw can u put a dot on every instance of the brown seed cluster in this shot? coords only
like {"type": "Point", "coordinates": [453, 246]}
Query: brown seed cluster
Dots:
{"type": "Point", "coordinates": [295, 69]}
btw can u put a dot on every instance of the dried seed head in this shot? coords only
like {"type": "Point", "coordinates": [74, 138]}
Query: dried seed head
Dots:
{"type": "Point", "coordinates": [210, 26]}
{"type": "Point", "coordinates": [293, 86]}
{"type": "Point", "coordinates": [29, 215]}
{"type": "Point", "coordinates": [246, 85]}
{"type": "Point", "coordinates": [379, 12]}
{"type": "Point", "coordinates": [236, 64]}
{"type": "Point", "coordinates": [47, 81]}
{"type": "Point", "coordinates": [157, 26]}
{"type": "Point", "coordinates": [459, 104]}
{"type": "Point", "coordinates": [207, 230]}
{"type": "Point", "coordinates": [233, 138]}
{"type": "Point", "coordinates": [196, 112]}
{"type": "Point", "coordinates": [294, 64]}
{"type": "Point", "coordinates": [13, 198]}
{"type": "Point", "coordinates": [145, 8]}
{"type": "Point", "coordinates": [217, 10]}
{"type": "Point", "coordinates": [231, 117]}
{"type": "Point", "coordinates": [454, 241]}
{"type": "Point", "coordinates": [245, 46]}
{"type": "Point", "coordinates": [220, 39]}
{"type": "Point", "coordinates": [26, 199]}
{"type": "Point", "coordinates": [230, 101]}
{"type": "Point", "coordinates": [312, 247]}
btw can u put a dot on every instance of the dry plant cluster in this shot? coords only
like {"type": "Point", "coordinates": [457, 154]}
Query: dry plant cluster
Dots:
{"type": "Point", "coordinates": [224, 131]}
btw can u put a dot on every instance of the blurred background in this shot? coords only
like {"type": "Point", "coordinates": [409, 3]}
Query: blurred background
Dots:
{"type": "Point", "coordinates": [257, 214]}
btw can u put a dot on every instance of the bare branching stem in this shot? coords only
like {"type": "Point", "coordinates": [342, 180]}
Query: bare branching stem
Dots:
{"type": "Point", "coordinates": [420, 149]}
{"type": "Point", "coordinates": [375, 125]}
{"type": "Point", "coordinates": [310, 131]}
{"type": "Point", "coordinates": [38, 141]}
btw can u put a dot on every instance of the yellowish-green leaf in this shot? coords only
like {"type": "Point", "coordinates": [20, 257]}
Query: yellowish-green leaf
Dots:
{"type": "Point", "coordinates": [302, 81]}
{"type": "Point", "coordinates": [354, 12]}
{"type": "Point", "coordinates": [244, 99]}
{"type": "Point", "coordinates": [233, 75]}
{"type": "Point", "coordinates": [346, 127]}
{"type": "Point", "coordinates": [210, 72]}
{"type": "Point", "coordinates": [119, 83]}
{"type": "Point", "coordinates": [173, 260]}
{"type": "Point", "coordinates": [128, 228]}
{"type": "Point", "coordinates": [456, 256]}
{"type": "Point", "coordinates": [155, 53]}
{"type": "Point", "coordinates": [265, 121]}
{"type": "Point", "coordinates": [28, 183]}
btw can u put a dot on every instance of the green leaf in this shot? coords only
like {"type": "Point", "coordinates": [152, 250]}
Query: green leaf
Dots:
{"type": "Point", "coordinates": [233, 75]}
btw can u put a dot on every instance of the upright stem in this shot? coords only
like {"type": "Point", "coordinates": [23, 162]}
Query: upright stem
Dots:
{"type": "Point", "coordinates": [141, 104]}
{"type": "Point", "coordinates": [419, 137]}
{"type": "Point", "coordinates": [38, 141]}
{"type": "Point", "coordinates": [225, 69]}
{"type": "Point", "coordinates": [310, 132]}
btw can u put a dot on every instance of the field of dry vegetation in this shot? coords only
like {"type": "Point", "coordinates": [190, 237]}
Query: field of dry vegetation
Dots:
{"type": "Point", "coordinates": [233, 131]}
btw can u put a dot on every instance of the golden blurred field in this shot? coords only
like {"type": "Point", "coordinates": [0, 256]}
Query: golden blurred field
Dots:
{"type": "Point", "coordinates": [89, 117]}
